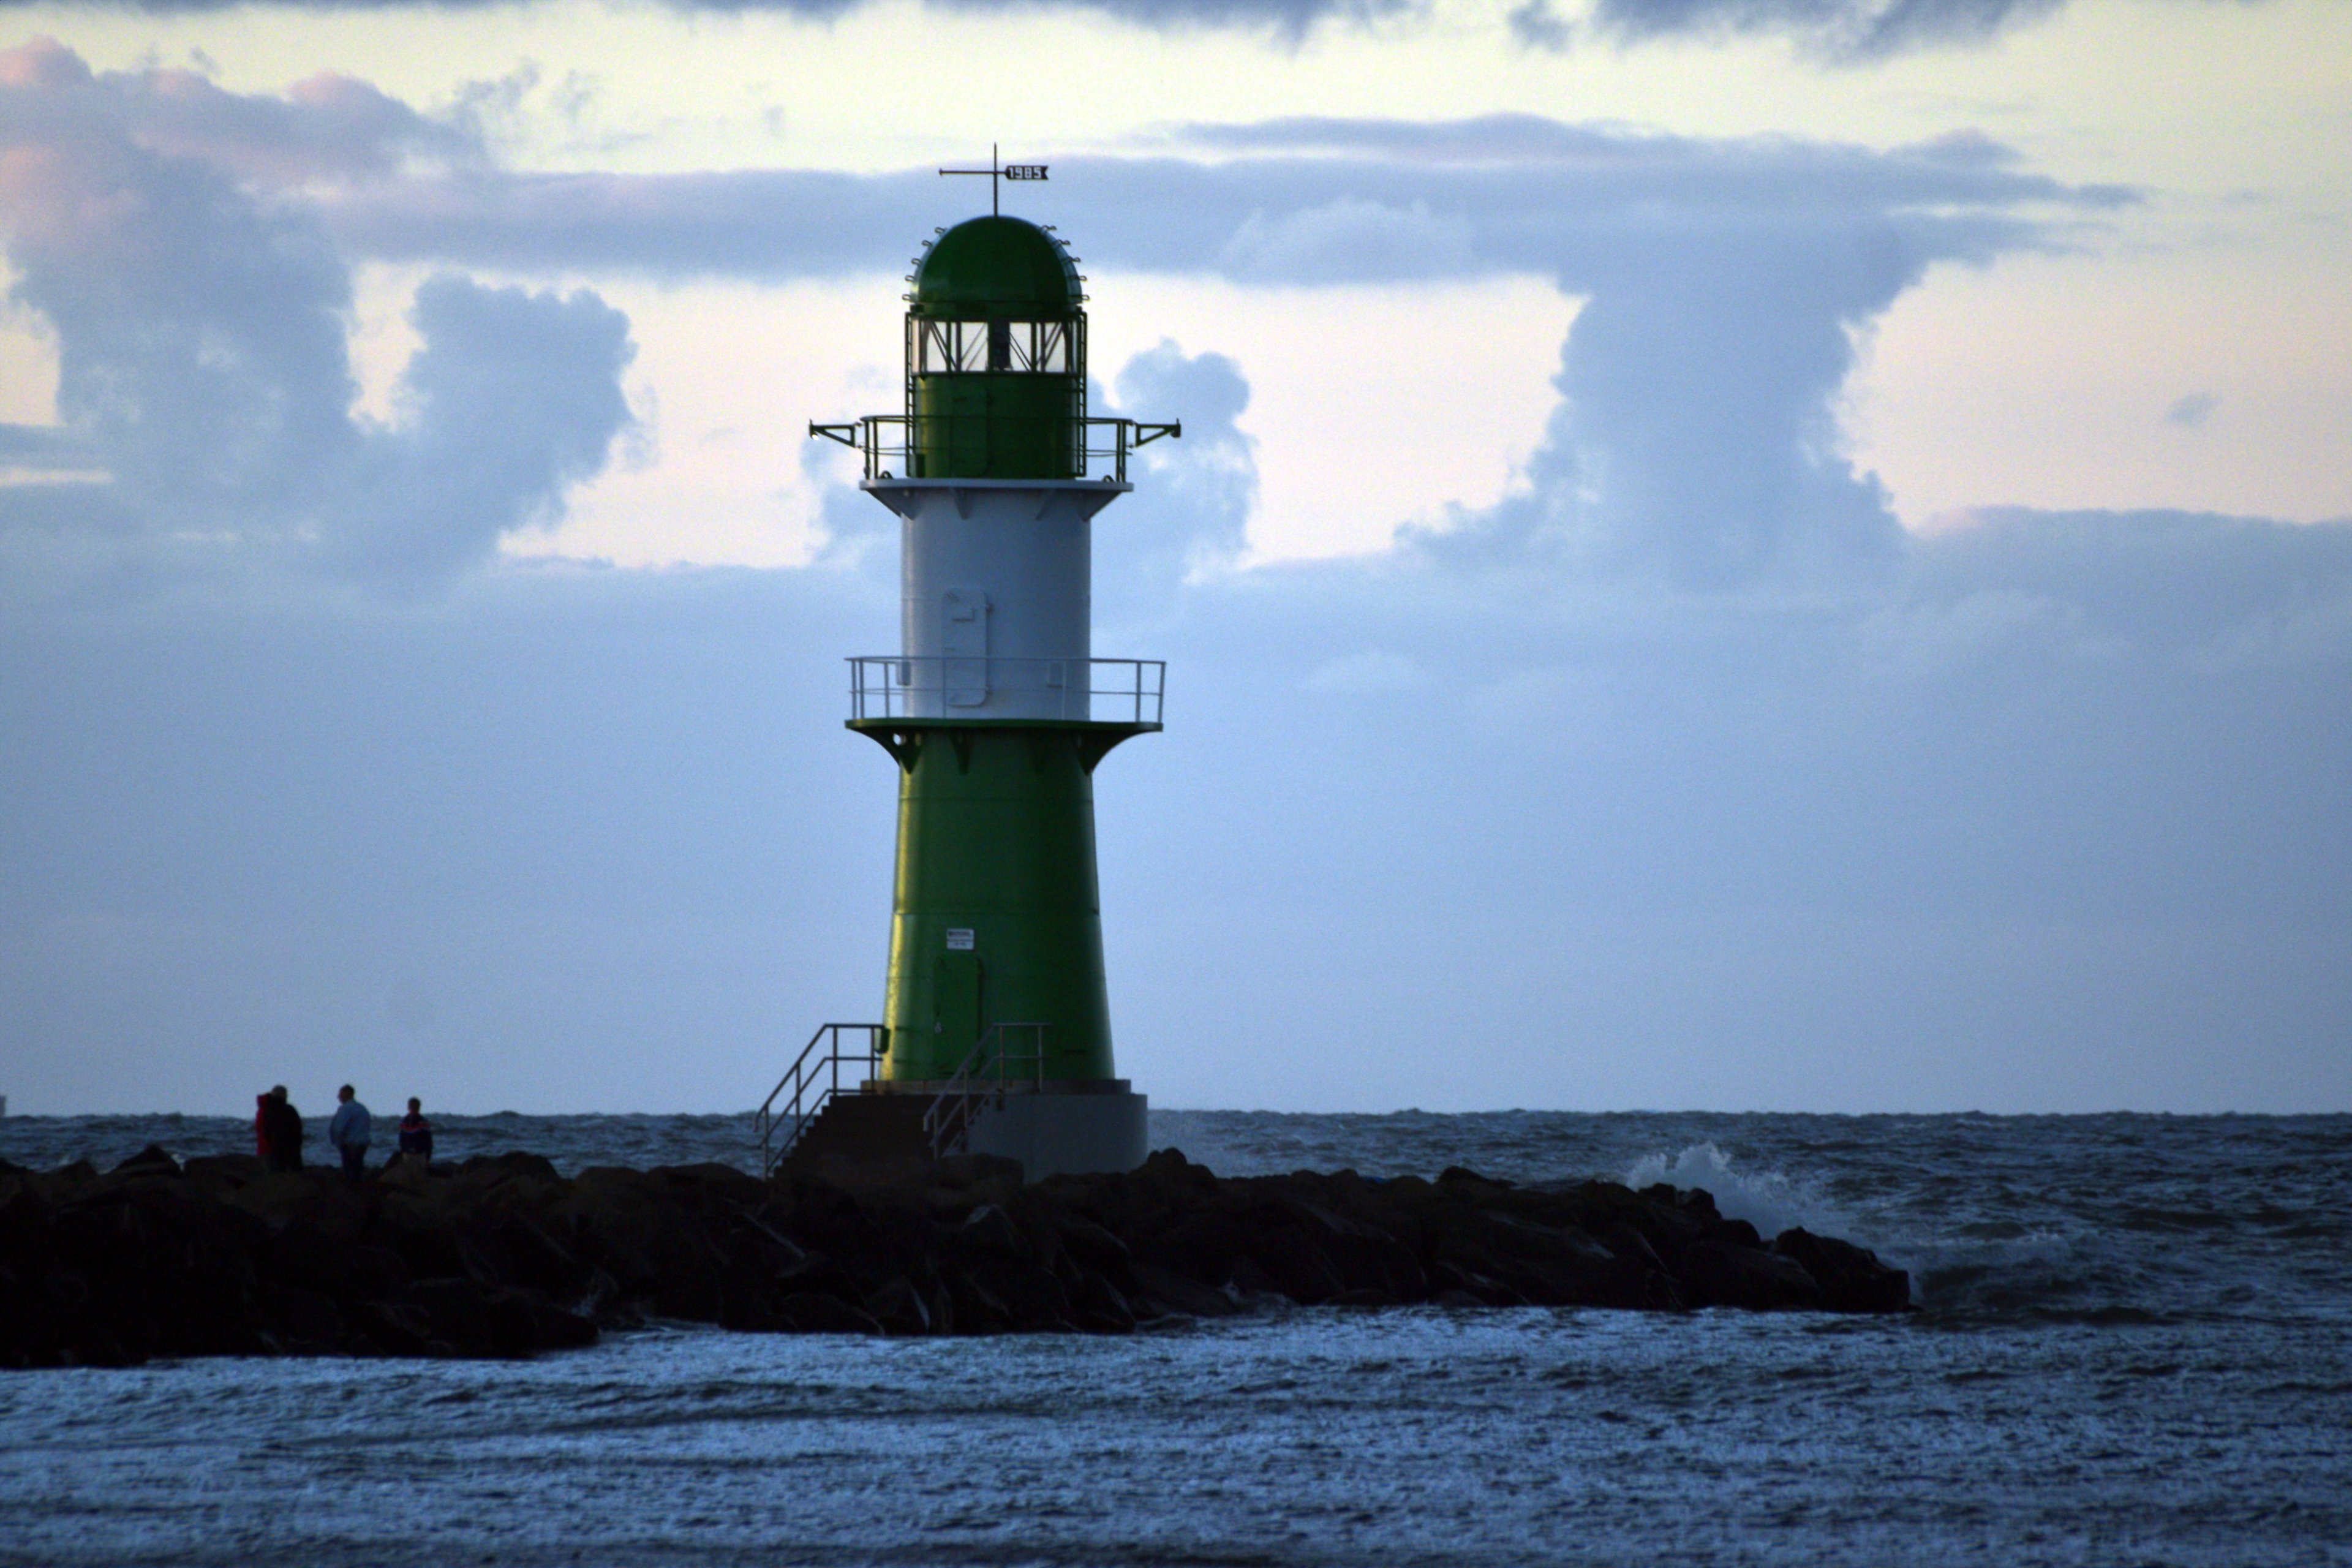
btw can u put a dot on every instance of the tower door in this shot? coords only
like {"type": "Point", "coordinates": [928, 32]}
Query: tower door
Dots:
{"type": "Point", "coordinates": [955, 992]}
{"type": "Point", "coordinates": [965, 642]}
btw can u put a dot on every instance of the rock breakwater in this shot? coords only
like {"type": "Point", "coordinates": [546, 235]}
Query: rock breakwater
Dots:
{"type": "Point", "coordinates": [503, 1256]}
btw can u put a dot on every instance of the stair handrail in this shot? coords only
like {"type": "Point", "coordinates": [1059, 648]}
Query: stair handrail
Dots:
{"type": "Point", "coordinates": [812, 1083]}
{"type": "Point", "coordinates": [947, 1122]}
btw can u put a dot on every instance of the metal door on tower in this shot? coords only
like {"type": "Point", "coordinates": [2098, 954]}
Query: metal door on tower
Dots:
{"type": "Point", "coordinates": [955, 1003]}
{"type": "Point", "coordinates": [964, 640]}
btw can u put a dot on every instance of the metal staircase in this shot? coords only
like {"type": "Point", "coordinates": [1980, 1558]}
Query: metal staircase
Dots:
{"type": "Point", "coordinates": [990, 1071]}
{"type": "Point", "coordinates": [981, 1082]}
{"type": "Point", "coordinates": [810, 1084]}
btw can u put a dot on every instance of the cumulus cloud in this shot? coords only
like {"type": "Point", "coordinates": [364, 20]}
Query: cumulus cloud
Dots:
{"type": "Point", "coordinates": [514, 398]}
{"type": "Point", "coordinates": [205, 401]}
{"type": "Point", "coordinates": [1695, 433]}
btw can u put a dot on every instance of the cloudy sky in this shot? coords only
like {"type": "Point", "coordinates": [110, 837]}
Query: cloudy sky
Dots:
{"type": "Point", "coordinates": [1726, 553]}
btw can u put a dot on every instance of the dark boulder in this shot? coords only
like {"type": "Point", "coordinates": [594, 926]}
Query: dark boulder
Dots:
{"type": "Point", "coordinates": [1851, 1278]}
{"type": "Point", "coordinates": [1200, 1245]}
{"type": "Point", "coordinates": [807, 1312]}
{"type": "Point", "coordinates": [900, 1308]}
{"type": "Point", "coordinates": [1722, 1272]}
{"type": "Point", "coordinates": [1164, 1294]}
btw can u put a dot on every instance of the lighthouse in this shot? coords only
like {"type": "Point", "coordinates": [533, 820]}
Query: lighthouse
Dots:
{"type": "Point", "coordinates": [996, 1029]}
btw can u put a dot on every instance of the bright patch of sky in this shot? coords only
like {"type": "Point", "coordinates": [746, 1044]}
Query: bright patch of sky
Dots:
{"type": "Point", "coordinates": [2057, 381]}
{"type": "Point", "coordinates": [2041, 380]}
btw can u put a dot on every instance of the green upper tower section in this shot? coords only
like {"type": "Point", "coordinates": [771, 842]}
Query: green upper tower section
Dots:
{"type": "Point", "coordinates": [996, 269]}
{"type": "Point", "coordinates": [996, 356]}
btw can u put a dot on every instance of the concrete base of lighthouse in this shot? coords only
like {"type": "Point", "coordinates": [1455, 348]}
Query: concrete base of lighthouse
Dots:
{"type": "Point", "coordinates": [1069, 1129]}
{"type": "Point", "coordinates": [876, 1135]}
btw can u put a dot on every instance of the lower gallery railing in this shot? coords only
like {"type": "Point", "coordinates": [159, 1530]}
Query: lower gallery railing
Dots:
{"type": "Point", "coordinates": [1099, 690]}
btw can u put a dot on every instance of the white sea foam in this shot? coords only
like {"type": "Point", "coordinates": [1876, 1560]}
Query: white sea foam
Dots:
{"type": "Point", "coordinates": [1946, 1270]}
{"type": "Point", "coordinates": [1764, 1199]}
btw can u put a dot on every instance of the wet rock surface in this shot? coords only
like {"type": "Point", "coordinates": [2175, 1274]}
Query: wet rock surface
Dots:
{"type": "Point", "coordinates": [502, 1256]}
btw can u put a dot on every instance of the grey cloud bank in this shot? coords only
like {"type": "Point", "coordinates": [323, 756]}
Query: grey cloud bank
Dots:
{"type": "Point", "coordinates": [1684, 776]}
{"type": "Point", "coordinates": [1850, 31]}
{"type": "Point", "coordinates": [1853, 30]}
{"type": "Point", "coordinates": [1296, 205]}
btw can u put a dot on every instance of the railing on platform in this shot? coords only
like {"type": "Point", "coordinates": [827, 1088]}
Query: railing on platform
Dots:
{"type": "Point", "coordinates": [809, 1083]}
{"type": "Point", "coordinates": [935, 686]}
{"type": "Point", "coordinates": [981, 1081]}
{"type": "Point", "coordinates": [890, 442]}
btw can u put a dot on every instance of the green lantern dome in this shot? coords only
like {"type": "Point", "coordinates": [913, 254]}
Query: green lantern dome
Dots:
{"type": "Point", "coordinates": [996, 356]}
{"type": "Point", "coordinates": [996, 269]}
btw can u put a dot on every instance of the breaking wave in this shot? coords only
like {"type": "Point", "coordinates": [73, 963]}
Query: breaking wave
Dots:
{"type": "Point", "coordinates": [1764, 1199]}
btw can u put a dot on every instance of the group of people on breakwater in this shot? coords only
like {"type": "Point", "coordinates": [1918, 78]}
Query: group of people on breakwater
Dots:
{"type": "Point", "coordinates": [278, 1131]}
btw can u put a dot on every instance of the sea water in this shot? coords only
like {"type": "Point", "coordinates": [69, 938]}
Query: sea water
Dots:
{"type": "Point", "coordinates": [2134, 1347]}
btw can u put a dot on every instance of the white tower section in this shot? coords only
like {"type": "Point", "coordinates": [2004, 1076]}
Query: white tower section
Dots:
{"type": "Point", "coordinates": [995, 594]}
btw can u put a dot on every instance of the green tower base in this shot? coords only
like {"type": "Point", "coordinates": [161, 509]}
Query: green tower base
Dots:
{"type": "Point", "coordinates": [996, 920]}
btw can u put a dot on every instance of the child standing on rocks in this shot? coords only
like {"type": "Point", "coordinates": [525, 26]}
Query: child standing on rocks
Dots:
{"type": "Point", "coordinates": [416, 1134]}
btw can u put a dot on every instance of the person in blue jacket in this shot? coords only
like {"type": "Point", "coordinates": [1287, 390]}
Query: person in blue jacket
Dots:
{"type": "Point", "coordinates": [350, 1131]}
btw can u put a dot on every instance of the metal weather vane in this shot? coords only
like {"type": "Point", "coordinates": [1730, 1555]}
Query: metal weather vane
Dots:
{"type": "Point", "coordinates": [998, 172]}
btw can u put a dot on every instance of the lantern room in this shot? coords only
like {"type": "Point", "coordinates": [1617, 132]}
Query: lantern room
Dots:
{"type": "Point", "coordinates": [996, 355]}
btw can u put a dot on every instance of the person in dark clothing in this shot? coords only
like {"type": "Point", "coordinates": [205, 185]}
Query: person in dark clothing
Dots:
{"type": "Point", "coordinates": [282, 1128]}
{"type": "Point", "coordinates": [416, 1132]}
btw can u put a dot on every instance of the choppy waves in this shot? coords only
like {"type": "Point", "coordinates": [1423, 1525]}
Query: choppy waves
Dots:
{"type": "Point", "coordinates": [2135, 1347]}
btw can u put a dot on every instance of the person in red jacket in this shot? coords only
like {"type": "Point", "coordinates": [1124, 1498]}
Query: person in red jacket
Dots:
{"type": "Point", "coordinates": [261, 1127]}
{"type": "Point", "coordinates": [416, 1134]}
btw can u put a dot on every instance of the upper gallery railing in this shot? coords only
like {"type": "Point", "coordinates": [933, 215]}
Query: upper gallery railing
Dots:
{"type": "Point", "coordinates": [890, 440]}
